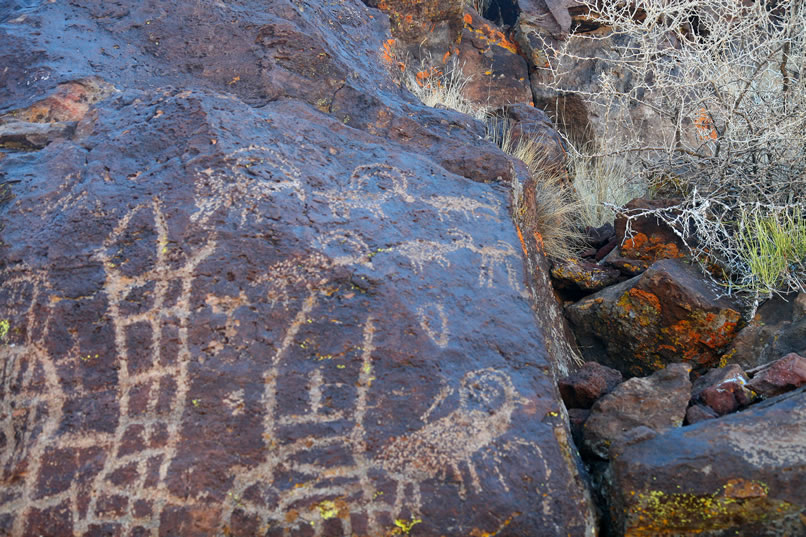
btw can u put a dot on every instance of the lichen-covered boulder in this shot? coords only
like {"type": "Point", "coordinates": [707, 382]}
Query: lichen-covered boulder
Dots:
{"type": "Point", "coordinates": [741, 474]}
{"type": "Point", "coordinates": [259, 290]}
{"type": "Point", "coordinates": [667, 314]}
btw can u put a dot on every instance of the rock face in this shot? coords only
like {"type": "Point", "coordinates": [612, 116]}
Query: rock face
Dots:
{"type": "Point", "coordinates": [249, 294]}
{"type": "Point", "coordinates": [738, 475]}
{"type": "Point", "coordinates": [722, 390]}
{"type": "Point", "coordinates": [657, 403]}
{"type": "Point", "coordinates": [666, 314]}
{"type": "Point", "coordinates": [778, 329]}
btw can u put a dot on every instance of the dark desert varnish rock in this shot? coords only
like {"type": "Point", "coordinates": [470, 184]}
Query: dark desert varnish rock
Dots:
{"type": "Point", "coordinates": [259, 290]}
{"type": "Point", "coordinates": [741, 474]}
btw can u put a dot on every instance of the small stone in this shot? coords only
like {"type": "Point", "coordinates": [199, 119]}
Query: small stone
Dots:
{"type": "Point", "coordinates": [582, 275]}
{"type": "Point", "coordinates": [697, 413]}
{"type": "Point", "coordinates": [658, 402]}
{"type": "Point", "coordinates": [782, 376]}
{"type": "Point", "coordinates": [722, 389]}
{"type": "Point", "coordinates": [592, 381]}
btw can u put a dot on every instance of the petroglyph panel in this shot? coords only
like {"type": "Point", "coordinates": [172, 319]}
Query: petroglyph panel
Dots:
{"type": "Point", "coordinates": [236, 355]}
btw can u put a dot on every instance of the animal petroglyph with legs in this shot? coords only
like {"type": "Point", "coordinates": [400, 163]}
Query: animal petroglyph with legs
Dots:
{"type": "Point", "coordinates": [487, 400]}
{"type": "Point", "coordinates": [369, 188]}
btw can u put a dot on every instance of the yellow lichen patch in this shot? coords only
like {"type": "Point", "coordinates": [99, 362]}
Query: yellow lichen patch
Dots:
{"type": "Point", "coordinates": [404, 526]}
{"type": "Point", "coordinates": [475, 532]}
{"type": "Point", "coordinates": [5, 325]}
{"type": "Point", "coordinates": [738, 502]}
{"type": "Point", "coordinates": [328, 509]}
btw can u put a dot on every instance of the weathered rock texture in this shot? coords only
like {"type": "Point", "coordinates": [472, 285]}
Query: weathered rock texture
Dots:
{"type": "Point", "coordinates": [582, 388]}
{"type": "Point", "coordinates": [657, 403]}
{"type": "Point", "coordinates": [256, 292]}
{"type": "Point", "coordinates": [778, 329]}
{"type": "Point", "coordinates": [665, 315]}
{"type": "Point", "coordinates": [781, 376]}
{"type": "Point", "coordinates": [738, 475]}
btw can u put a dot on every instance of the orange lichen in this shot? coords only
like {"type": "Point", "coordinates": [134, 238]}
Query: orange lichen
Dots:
{"type": "Point", "coordinates": [641, 306]}
{"type": "Point", "coordinates": [539, 242]}
{"type": "Point", "coordinates": [705, 125]}
{"type": "Point", "coordinates": [639, 246]}
{"type": "Point", "coordinates": [520, 237]}
{"type": "Point", "coordinates": [645, 296]}
{"type": "Point", "coordinates": [490, 34]}
{"type": "Point", "coordinates": [389, 54]}
{"type": "Point", "coordinates": [702, 334]}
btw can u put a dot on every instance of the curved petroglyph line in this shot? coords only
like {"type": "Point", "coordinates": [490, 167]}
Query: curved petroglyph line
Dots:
{"type": "Point", "coordinates": [441, 334]}
{"type": "Point", "coordinates": [370, 187]}
{"type": "Point", "coordinates": [357, 251]}
{"type": "Point", "coordinates": [27, 395]}
{"type": "Point", "coordinates": [470, 208]}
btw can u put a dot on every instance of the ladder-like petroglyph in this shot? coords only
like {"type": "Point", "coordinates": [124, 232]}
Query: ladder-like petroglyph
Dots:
{"type": "Point", "coordinates": [146, 369]}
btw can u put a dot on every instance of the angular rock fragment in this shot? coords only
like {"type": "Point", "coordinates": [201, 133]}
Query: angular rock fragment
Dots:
{"type": "Point", "coordinates": [779, 328]}
{"type": "Point", "coordinates": [781, 376]}
{"type": "Point", "coordinates": [582, 275]}
{"type": "Point", "coordinates": [667, 314]}
{"type": "Point", "coordinates": [739, 475]}
{"type": "Point", "coordinates": [698, 412]}
{"type": "Point", "coordinates": [582, 388]}
{"type": "Point", "coordinates": [723, 389]}
{"type": "Point", "coordinates": [657, 402]}
{"type": "Point", "coordinates": [649, 238]}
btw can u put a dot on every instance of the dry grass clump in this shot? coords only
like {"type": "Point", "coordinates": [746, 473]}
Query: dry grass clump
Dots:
{"type": "Point", "coordinates": [557, 205]}
{"type": "Point", "coordinates": [602, 184]}
{"type": "Point", "coordinates": [727, 80]}
{"type": "Point", "coordinates": [444, 88]}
